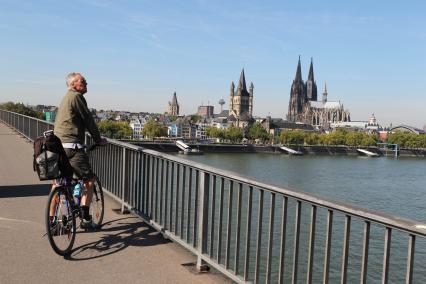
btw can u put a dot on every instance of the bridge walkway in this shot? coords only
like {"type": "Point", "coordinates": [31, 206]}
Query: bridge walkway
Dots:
{"type": "Point", "coordinates": [125, 250]}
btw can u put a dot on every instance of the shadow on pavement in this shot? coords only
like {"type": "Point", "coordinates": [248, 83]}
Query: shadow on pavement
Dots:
{"type": "Point", "coordinates": [8, 191]}
{"type": "Point", "coordinates": [118, 235]}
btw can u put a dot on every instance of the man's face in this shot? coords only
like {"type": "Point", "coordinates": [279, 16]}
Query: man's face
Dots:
{"type": "Point", "coordinates": [80, 84]}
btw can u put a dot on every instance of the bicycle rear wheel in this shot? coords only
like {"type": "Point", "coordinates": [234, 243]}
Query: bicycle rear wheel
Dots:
{"type": "Point", "coordinates": [97, 206]}
{"type": "Point", "coordinates": [60, 221]}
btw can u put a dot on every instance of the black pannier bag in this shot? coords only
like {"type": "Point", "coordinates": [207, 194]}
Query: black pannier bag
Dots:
{"type": "Point", "coordinates": [50, 160]}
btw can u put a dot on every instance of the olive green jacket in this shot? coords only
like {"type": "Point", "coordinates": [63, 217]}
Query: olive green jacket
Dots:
{"type": "Point", "coordinates": [73, 118]}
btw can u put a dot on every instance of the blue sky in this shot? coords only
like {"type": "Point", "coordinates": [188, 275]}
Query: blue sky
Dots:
{"type": "Point", "coordinates": [135, 54]}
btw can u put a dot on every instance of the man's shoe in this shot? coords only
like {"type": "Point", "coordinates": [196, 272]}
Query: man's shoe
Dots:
{"type": "Point", "coordinates": [87, 223]}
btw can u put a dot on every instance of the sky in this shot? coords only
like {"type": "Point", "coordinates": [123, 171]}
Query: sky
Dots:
{"type": "Point", "coordinates": [136, 54]}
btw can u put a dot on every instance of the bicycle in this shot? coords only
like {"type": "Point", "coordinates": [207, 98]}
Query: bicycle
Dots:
{"type": "Point", "coordinates": [61, 227]}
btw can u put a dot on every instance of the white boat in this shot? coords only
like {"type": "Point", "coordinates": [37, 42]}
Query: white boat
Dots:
{"type": "Point", "coordinates": [367, 153]}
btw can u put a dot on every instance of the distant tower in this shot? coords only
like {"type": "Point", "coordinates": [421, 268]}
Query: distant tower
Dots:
{"type": "Point", "coordinates": [231, 97]}
{"type": "Point", "coordinates": [173, 107]}
{"type": "Point", "coordinates": [297, 96]}
{"type": "Point", "coordinates": [221, 103]}
{"type": "Point", "coordinates": [241, 102]}
{"type": "Point", "coordinates": [324, 94]}
{"type": "Point", "coordinates": [251, 90]}
{"type": "Point", "coordinates": [311, 85]}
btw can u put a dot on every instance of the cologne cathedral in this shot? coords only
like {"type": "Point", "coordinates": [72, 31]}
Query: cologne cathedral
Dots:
{"type": "Point", "coordinates": [304, 106]}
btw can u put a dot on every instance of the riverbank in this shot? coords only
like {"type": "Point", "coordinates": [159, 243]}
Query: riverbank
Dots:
{"type": "Point", "coordinates": [306, 150]}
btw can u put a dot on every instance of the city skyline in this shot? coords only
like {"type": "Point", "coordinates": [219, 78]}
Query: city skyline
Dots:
{"type": "Point", "coordinates": [136, 55]}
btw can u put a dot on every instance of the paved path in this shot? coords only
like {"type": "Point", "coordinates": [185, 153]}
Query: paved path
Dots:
{"type": "Point", "coordinates": [125, 250]}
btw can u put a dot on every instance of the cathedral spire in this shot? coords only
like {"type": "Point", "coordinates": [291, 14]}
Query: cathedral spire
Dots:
{"type": "Point", "coordinates": [311, 72]}
{"type": "Point", "coordinates": [298, 72]}
{"type": "Point", "coordinates": [242, 82]}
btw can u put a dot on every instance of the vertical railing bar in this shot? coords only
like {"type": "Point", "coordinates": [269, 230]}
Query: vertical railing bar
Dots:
{"type": "Point", "coordinates": [131, 180]}
{"type": "Point", "coordinates": [366, 245]}
{"type": "Point", "coordinates": [151, 191]}
{"type": "Point", "coordinates": [238, 228]}
{"type": "Point", "coordinates": [296, 240]}
{"type": "Point", "coordinates": [166, 195]}
{"type": "Point", "coordinates": [143, 183]}
{"type": "Point", "coordinates": [219, 231]}
{"type": "Point", "coordinates": [283, 240]}
{"type": "Point", "coordinates": [212, 218]}
{"type": "Point", "coordinates": [311, 243]}
{"type": "Point", "coordinates": [194, 231]}
{"type": "Point", "coordinates": [345, 255]}
{"type": "Point", "coordinates": [386, 255]}
{"type": "Point", "coordinates": [410, 259]}
{"type": "Point", "coordinates": [188, 215]}
{"type": "Point", "coordinates": [270, 237]}
{"type": "Point", "coordinates": [177, 197]}
{"type": "Point", "coordinates": [182, 215]}
{"type": "Point", "coordinates": [172, 180]}
{"type": "Point", "coordinates": [155, 188]}
{"type": "Point", "coordinates": [328, 246]}
{"type": "Point", "coordinates": [203, 214]}
{"type": "Point", "coordinates": [248, 230]}
{"type": "Point", "coordinates": [228, 225]}
{"type": "Point", "coordinates": [161, 190]}
{"type": "Point", "coordinates": [259, 237]}
{"type": "Point", "coordinates": [123, 181]}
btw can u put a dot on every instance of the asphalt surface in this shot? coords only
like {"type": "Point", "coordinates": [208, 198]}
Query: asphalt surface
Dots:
{"type": "Point", "coordinates": [125, 250]}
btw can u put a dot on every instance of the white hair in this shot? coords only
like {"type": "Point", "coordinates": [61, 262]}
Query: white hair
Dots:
{"type": "Point", "coordinates": [71, 78]}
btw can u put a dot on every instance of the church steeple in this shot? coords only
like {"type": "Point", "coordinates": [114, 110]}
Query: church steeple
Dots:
{"type": "Point", "coordinates": [242, 82]}
{"type": "Point", "coordinates": [311, 85]}
{"type": "Point", "coordinates": [324, 94]}
{"type": "Point", "coordinates": [298, 72]}
{"type": "Point", "coordinates": [311, 72]}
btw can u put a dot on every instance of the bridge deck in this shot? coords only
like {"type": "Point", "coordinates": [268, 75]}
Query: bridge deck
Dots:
{"type": "Point", "coordinates": [125, 250]}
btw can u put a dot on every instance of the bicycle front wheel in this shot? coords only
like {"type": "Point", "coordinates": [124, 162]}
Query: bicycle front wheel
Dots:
{"type": "Point", "coordinates": [97, 206]}
{"type": "Point", "coordinates": [60, 221]}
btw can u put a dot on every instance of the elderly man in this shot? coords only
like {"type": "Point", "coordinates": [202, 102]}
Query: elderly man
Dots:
{"type": "Point", "coordinates": [72, 120]}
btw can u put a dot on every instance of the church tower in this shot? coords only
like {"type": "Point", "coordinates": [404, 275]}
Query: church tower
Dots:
{"type": "Point", "coordinates": [297, 96]}
{"type": "Point", "coordinates": [173, 107]}
{"type": "Point", "coordinates": [311, 85]}
{"type": "Point", "coordinates": [324, 94]}
{"type": "Point", "coordinates": [241, 102]}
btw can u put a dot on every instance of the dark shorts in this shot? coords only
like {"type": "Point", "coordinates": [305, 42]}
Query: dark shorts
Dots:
{"type": "Point", "coordinates": [80, 163]}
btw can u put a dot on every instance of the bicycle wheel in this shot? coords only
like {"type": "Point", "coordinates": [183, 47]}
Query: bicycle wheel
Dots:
{"type": "Point", "coordinates": [60, 221]}
{"type": "Point", "coordinates": [97, 205]}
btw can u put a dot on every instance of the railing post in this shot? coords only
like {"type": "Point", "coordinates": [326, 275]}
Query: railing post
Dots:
{"type": "Point", "coordinates": [203, 201]}
{"type": "Point", "coordinates": [123, 182]}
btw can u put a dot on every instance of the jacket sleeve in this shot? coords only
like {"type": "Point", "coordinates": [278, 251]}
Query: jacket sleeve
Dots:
{"type": "Point", "coordinates": [87, 118]}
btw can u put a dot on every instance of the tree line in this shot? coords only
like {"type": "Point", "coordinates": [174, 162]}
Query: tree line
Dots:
{"type": "Point", "coordinates": [22, 109]}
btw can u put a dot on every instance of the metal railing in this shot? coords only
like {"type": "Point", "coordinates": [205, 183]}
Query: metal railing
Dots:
{"type": "Point", "coordinates": [252, 231]}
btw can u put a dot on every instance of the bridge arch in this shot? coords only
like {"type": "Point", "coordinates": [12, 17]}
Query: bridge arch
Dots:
{"type": "Point", "coordinates": [407, 128]}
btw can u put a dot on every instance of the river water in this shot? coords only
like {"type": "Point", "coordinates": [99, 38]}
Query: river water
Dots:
{"type": "Point", "coordinates": [395, 186]}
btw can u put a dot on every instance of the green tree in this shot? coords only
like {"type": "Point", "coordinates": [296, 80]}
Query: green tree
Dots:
{"type": "Point", "coordinates": [354, 138]}
{"type": "Point", "coordinates": [153, 129]}
{"type": "Point", "coordinates": [369, 140]}
{"type": "Point", "coordinates": [22, 109]}
{"type": "Point", "coordinates": [312, 139]}
{"type": "Point", "coordinates": [256, 131]}
{"type": "Point", "coordinates": [337, 137]}
{"type": "Point", "coordinates": [215, 132]}
{"type": "Point", "coordinates": [195, 118]}
{"type": "Point", "coordinates": [234, 134]}
{"type": "Point", "coordinates": [115, 129]}
{"type": "Point", "coordinates": [292, 136]}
